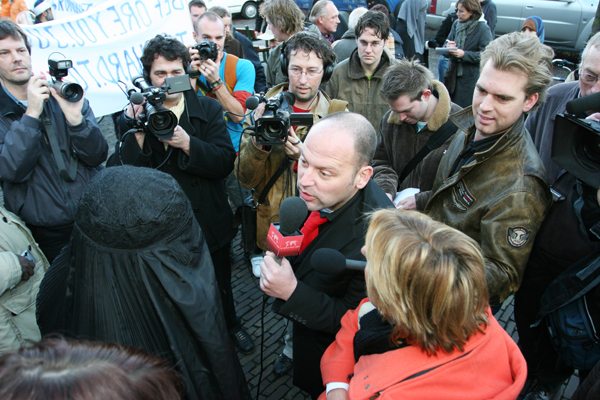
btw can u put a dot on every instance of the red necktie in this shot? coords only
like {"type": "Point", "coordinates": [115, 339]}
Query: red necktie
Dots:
{"type": "Point", "coordinates": [310, 230]}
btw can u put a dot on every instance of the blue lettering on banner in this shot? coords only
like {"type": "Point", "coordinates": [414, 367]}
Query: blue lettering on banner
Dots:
{"type": "Point", "coordinates": [81, 80]}
{"type": "Point", "coordinates": [158, 5]}
{"type": "Point", "coordinates": [47, 29]}
{"type": "Point", "coordinates": [180, 2]}
{"type": "Point", "coordinates": [129, 14]}
{"type": "Point", "coordinates": [102, 65]}
{"type": "Point", "coordinates": [112, 8]}
{"type": "Point", "coordinates": [114, 60]}
{"type": "Point", "coordinates": [85, 65]}
{"type": "Point", "coordinates": [91, 37]}
{"type": "Point", "coordinates": [69, 5]}
{"type": "Point", "coordinates": [75, 37]}
{"type": "Point", "coordinates": [130, 63]}
{"type": "Point", "coordinates": [97, 21]}
{"type": "Point", "coordinates": [39, 37]}
{"type": "Point", "coordinates": [180, 35]}
{"type": "Point", "coordinates": [139, 4]}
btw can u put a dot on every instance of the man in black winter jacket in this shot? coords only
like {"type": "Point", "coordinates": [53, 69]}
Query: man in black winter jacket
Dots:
{"type": "Point", "coordinates": [49, 147]}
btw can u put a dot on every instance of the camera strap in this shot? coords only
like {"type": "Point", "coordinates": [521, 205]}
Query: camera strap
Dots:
{"type": "Point", "coordinates": [436, 140]}
{"type": "Point", "coordinates": [284, 165]}
{"type": "Point", "coordinates": [60, 162]}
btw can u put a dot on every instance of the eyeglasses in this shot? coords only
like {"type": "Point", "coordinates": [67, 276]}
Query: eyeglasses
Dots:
{"type": "Point", "coordinates": [312, 73]}
{"type": "Point", "coordinates": [588, 78]}
{"type": "Point", "coordinates": [374, 45]}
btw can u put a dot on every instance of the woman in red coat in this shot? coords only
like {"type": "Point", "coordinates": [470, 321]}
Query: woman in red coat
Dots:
{"type": "Point", "coordinates": [426, 331]}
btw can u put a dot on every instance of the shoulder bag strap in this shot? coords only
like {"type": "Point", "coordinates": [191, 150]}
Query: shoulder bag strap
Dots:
{"type": "Point", "coordinates": [284, 165]}
{"type": "Point", "coordinates": [435, 141]}
{"type": "Point", "coordinates": [60, 162]}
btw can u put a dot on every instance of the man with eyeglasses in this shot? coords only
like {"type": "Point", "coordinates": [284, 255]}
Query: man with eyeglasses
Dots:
{"type": "Point", "coordinates": [358, 79]}
{"type": "Point", "coordinates": [560, 242]}
{"type": "Point", "coordinates": [307, 58]}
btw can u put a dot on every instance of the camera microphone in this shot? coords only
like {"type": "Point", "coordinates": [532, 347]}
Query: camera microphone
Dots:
{"type": "Point", "coordinates": [583, 104]}
{"type": "Point", "coordinates": [136, 97]}
{"type": "Point", "coordinates": [284, 239]}
{"type": "Point", "coordinates": [331, 262]}
{"type": "Point", "coordinates": [252, 102]}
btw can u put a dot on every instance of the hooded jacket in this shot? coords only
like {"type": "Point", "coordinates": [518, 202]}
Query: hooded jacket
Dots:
{"type": "Point", "coordinates": [490, 367]}
{"type": "Point", "coordinates": [399, 142]}
{"type": "Point", "coordinates": [350, 83]}
{"type": "Point", "coordinates": [500, 200]}
{"type": "Point", "coordinates": [254, 168]}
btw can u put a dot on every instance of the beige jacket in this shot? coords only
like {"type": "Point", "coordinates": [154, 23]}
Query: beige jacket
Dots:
{"type": "Point", "coordinates": [18, 326]}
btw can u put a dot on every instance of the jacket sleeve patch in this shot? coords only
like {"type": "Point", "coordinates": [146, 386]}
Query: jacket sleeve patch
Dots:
{"type": "Point", "coordinates": [517, 237]}
{"type": "Point", "coordinates": [463, 199]}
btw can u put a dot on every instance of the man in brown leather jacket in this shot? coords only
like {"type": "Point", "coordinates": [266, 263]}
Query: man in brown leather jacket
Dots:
{"type": "Point", "coordinates": [491, 184]}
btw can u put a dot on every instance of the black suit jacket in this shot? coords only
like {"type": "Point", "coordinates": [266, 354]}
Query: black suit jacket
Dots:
{"type": "Point", "coordinates": [320, 300]}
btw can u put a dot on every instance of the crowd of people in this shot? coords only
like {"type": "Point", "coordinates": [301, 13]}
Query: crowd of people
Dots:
{"type": "Point", "coordinates": [115, 272]}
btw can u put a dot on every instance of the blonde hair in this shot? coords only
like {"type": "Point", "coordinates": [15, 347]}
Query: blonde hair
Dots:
{"type": "Point", "coordinates": [426, 279]}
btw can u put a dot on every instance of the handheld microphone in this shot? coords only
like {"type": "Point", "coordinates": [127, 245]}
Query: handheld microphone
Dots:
{"type": "Point", "coordinates": [253, 101]}
{"type": "Point", "coordinates": [331, 262]}
{"type": "Point", "coordinates": [284, 239]}
{"type": "Point", "coordinates": [583, 104]}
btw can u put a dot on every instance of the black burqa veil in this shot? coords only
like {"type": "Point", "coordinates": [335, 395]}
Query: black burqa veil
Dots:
{"type": "Point", "coordinates": [137, 271]}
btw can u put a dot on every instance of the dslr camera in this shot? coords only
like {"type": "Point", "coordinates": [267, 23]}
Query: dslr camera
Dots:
{"type": "Point", "coordinates": [274, 125]}
{"type": "Point", "coordinates": [207, 50]}
{"type": "Point", "coordinates": [156, 118]}
{"type": "Point", "coordinates": [576, 141]}
{"type": "Point", "coordinates": [72, 92]}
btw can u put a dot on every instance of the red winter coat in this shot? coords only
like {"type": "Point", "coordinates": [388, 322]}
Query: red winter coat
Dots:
{"type": "Point", "coordinates": [494, 368]}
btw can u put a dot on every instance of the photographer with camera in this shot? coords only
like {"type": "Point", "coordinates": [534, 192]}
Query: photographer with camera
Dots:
{"type": "Point", "coordinates": [560, 242]}
{"type": "Point", "coordinates": [224, 77]}
{"type": "Point", "coordinates": [199, 156]}
{"type": "Point", "coordinates": [50, 147]}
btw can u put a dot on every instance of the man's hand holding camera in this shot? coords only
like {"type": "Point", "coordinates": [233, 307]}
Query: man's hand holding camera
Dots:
{"type": "Point", "coordinates": [39, 91]}
{"type": "Point", "coordinates": [292, 146]}
{"type": "Point", "coordinates": [208, 68]}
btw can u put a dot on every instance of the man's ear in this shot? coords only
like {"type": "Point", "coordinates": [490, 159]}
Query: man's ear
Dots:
{"type": "Point", "coordinates": [194, 33]}
{"type": "Point", "coordinates": [363, 176]}
{"type": "Point", "coordinates": [530, 102]}
{"type": "Point", "coordinates": [426, 95]}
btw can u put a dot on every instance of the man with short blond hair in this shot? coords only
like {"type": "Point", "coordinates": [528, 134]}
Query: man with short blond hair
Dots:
{"type": "Point", "coordinates": [491, 182]}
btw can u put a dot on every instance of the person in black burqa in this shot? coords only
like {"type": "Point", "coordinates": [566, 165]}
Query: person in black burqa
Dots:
{"type": "Point", "coordinates": [138, 272]}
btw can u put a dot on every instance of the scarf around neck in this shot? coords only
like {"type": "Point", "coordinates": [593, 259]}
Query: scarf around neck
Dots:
{"type": "Point", "coordinates": [463, 30]}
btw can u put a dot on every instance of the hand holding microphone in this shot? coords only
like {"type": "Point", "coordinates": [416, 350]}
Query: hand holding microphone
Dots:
{"type": "Point", "coordinates": [277, 278]}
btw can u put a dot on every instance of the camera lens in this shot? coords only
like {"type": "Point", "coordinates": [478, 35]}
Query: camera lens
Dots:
{"type": "Point", "coordinates": [71, 92]}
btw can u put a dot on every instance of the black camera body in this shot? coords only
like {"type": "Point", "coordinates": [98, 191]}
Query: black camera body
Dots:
{"type": "Point", "coordinates": [207, 50]}
{"type": "Point", "coordinates": [72, 92]}
{"type": "Point", "coordinates": [156, 118]}
{"type": "Point", "coordinates": [272, 128]}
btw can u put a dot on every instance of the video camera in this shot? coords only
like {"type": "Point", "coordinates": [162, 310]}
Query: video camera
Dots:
{"type": "Point", "coordinates": [274, 125]}
{"type": "Point", "coordinates": [576, 141]}
{"type": "Point", "coordinates": [70, 91]}
{"type": "Point", "coordinates": [156, 118]}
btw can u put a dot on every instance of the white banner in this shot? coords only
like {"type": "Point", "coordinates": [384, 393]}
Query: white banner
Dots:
{"type": "Point", "coordinates": [105, 44]}
{"type": "Point", "coordinates": [68, 8]}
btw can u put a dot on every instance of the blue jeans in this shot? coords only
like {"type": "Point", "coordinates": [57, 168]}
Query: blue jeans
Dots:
{"type": "Point", "coordinates": [442, 67]}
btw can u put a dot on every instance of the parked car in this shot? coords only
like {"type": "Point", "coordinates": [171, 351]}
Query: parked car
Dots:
{"type": "Point", "coordinates": [247, 8]}
{"type": "Point", "coordinates": [568, 22]}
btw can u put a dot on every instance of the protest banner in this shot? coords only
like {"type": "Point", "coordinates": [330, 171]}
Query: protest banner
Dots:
{"type": "Point", "coordinates": [68, 8]}
{"type": "Point", "coordinates": [106, 43]}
